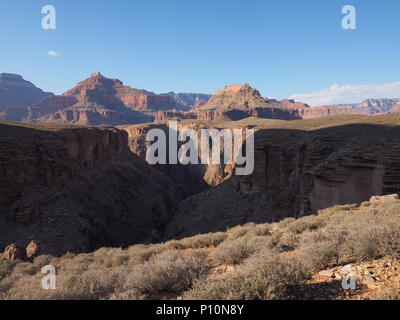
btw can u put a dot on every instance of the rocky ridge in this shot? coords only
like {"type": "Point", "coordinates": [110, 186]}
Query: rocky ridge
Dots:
{"type": "Point", "coordinates": [300, 167]}
{"type": "Point", "coordinates": [77, 189]}
{"type": "Point", "coordinates": [15, 92]}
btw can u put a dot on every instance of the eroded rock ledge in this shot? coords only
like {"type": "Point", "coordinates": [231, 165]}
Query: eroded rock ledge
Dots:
{"type": "Point", "coordinates": [77, 189]}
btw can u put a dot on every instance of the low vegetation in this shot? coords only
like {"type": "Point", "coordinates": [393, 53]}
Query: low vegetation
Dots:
{"type": "Point", "coordinates": [270, 261]}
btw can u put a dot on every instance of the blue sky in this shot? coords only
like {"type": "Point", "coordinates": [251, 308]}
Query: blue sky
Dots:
{"type": "Point", "coordinates": [283, 48]}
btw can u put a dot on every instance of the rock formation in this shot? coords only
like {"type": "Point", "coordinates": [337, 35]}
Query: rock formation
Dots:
{"type": "Point", "coordinates": [238, 102]}
{"type": "Point", "coordinates": [34, 249]}
{"type": "Point", "coordinates": [188, 101]}
{"type": "Point", "coordinates": [77, 189]}
{"type": "Point", "coordinates": [300, 168]}
{"type": "Point", "coordinates": [100, 100]}
{"type": "Point", "coordinates": [17, 92]}
{"type": "Point", "coordinates": [188, 179]}
{"type": "Point", "coordinates": [13, 252]}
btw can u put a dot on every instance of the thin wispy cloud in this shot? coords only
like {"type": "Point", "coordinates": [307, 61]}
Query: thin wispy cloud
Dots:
{"type": "Point", "coordinates": [52, 53]}
{"type": "Point", "coordinates": [349, 94]}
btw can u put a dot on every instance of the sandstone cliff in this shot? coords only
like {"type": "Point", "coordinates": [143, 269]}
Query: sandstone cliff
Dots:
{"type": "Point", "coordinates": [300, 168]}
{"type": "Point", "coordinates": [17, 92]}
{"type": "Point", "coordinates": [77, 189]}
{"type": "Point", "coordinates": [188, 179]}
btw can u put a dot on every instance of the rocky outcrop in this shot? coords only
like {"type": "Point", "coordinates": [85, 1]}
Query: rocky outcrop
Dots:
{"type": "Point", "coordinates": [319, 112]}
{"type": "Point", "coordinates": [188, 101]}
{"type": "Point", "coordinates": [236, 96]}
{"type": "Point", "coordinates": [13, 252]}
{"type": "Point", "coordinates": [17, 92]}
{"type": "Point", "coordinates": [34, 249]}
{"type": "Point", "coordinates": [49, 105]}
{"type": "Point", "coordinates": [230, 115]}
{"type": "Point", "coordinates": [77, 189]}
{"type": "Point", "coordinates": [16, 252]}
{"type": "Point", "coordinates": [188, 179]}
{"type": "Point", "coordinates": [237, 102]}
{"type": "Point", "coordinates": [300, 168]}
{"type": "Point", "coordinates": [112, 93]}
{"type": "Point", "coordinates": [95, 101]}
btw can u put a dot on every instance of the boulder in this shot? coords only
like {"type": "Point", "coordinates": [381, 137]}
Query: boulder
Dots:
{"type": "Point", "coordinates": [14, 252]}
{"type": "Point", "coordinates": [34, 249]}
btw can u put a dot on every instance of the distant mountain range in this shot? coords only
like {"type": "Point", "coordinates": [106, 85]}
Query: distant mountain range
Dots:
{"type": "Point", "coordinates": [17, 92]}
{"type": "Point", "coordinates": [375, 106]}
{"type": "Point", "coordinates": [103, 101]}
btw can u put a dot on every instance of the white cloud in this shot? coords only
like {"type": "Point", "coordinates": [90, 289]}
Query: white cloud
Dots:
{"type": "Point", "coordinates": [53, 53]}
{"type": "Point", "coordinates": [349, 94]}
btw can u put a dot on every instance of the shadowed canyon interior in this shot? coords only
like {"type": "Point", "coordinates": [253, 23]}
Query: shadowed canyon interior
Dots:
{"type": "Point", "coordinates": [80, 188]}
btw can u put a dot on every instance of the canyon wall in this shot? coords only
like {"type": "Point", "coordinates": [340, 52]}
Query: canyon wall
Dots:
{"type": "Point", "coordinates": [298, 171]}
{"type": "Point", "coordinates": [77, 189]}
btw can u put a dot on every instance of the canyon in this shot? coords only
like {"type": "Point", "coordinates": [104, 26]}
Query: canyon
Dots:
{"type": "Point", "coordinates": [77, 188]}
{"type": "Point", "coordinates": [74, 175]}
{"type": "Point", "coordinates": [99, 100]}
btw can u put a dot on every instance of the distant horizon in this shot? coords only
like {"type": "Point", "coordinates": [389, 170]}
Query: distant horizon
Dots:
{"type": "Point", "coordinates": [211, 93]}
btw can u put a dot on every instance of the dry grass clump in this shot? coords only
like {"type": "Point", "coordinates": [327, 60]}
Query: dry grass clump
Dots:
{"type": "Point", "coordinates": [267, 277]}
{"type": "Point", "coordinates": [168, 272]}
{"type": "Point", "coordinates": [304, 224]}
{"type": "Point", "coordinates": [353, 236]}
{"type": "Point", "coordinates": [285, 222]}
{"type": "Point", "coordinates": [208, 240]}
{"type": "Point", "coordinates": [390, 293]}
{"type": "Point", "coordinates": [237, 250]}
{"type": "Point", "coordinates": [240, 231]}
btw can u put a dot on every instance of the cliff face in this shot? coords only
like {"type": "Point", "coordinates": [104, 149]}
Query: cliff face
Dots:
{"type": "Point", "coordinates": [300, 168]}
{"type": "Point", "coordinates": [188, 101]}
{"type": "Point", "coordinates": [188, 179]}
{"type": "Point", "coordinates": [111, 93]}
{"type": "Point", "coordinates": [237, 102]}
{"type": "Point", "coordinates": [17, 92]}
{"type": "Point", "coordinates": [77, 189]}
{"type": "Point", "coordinates": [319, 112]}
{"type": "Point", "coordinates": [96, 100]}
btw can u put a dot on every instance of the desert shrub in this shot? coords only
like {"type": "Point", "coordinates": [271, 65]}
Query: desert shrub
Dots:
{"type": "Point", "coordinates": [119, 260]}
{"type": "Point", "coordinates": [288, 241]}
{"type": "Point", "coordinates": [128, 295]}
{"type": "Point", "coordinates": [390, 293]}
{"type": "Point", "coordinates": [237, 250]}
{"type": "Point", "coordinates": [89, 285]}
{"type": "Point", "coordinates": [373, 242]}
{"type": "Point", "coordinates": [285, 222]}
{"type": "Point", "coordinates": [198, 242]}
{"type": "Point", "coordinates": [305, 224]}
{"type": "Point", "coordinates": [44, 260]}
{"type": "Point", "coordinates": [143, 253]}
{"type": "Point", "coordinates": [6, 267]}
{"type": "Point", "coordinates": [263, 278]}
{"type": "Point", "coordinates": [25, 268]}
{"type": "Point", "coordinates": [238, 232]}
{"type": "Point", "coordinates": [320, 250]}
{"type": "Point", "coordinates": [167, 272]}
{"type": "Point", "coordinates": [261, 230]}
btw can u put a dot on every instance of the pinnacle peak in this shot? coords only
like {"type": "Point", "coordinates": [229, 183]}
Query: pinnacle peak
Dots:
{"type": "Point", "coordinates": [96, 74]}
